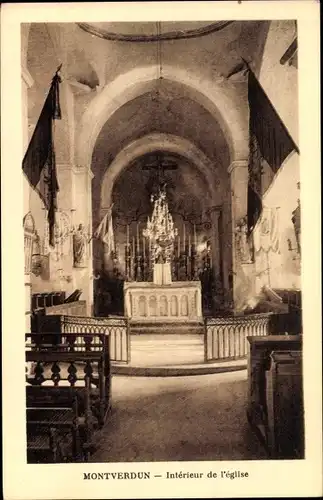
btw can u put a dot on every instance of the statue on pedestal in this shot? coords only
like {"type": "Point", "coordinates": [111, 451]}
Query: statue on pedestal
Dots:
{"type": "Point", "coordinates": [80, 247]}
{"type": "Point", "coordinates": [296, 220]}
{"type": "Point", "coordinates": [242, 242]}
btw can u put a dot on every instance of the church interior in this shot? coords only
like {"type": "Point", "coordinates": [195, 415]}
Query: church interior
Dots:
{"type": "Point", "coordinates": [160, 323]}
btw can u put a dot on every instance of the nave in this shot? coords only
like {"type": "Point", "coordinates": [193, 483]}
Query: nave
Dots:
{"type": "Point", "coordinates": [166, 244]}
{"type": "Point", "coordinates": [179, 419]}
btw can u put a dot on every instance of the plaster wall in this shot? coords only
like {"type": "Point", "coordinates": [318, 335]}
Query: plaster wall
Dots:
{"type": "Point", "coordinates": [280, 82]}
{"type": "Point", "coordinates": [279, 267]}
{"type": "Point", "coordinates": [58, 272]}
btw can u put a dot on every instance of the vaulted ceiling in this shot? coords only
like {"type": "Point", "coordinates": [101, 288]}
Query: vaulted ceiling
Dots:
{"type": "Point", "coordinates": [93, 60]}
{"type": "Point", "coordinates": [167, 110]}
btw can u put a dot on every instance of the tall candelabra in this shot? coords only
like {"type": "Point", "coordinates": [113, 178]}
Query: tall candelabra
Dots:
{"type": "Point", "coordinates": [160, 231]}
{"type": "Point", "coordinates": [160, 242]}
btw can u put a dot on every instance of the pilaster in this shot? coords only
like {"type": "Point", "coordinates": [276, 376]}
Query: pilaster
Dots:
{"type": "Point", "coordinates": [26, 82]}
{"type": "Point", "coordinates": [238, 171]}
{"type": "Point", "coordinates": [217, 255]}
{"type": "Point", "coordinates": [82, 210]}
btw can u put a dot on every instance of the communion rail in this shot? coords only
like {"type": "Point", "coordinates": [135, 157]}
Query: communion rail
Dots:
{"type": "Point", "coordinates": [226, 338]}
{"type": "Point", "coordinates": [116, 328]}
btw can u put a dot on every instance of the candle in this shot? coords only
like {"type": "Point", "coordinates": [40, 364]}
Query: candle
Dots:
{"type": "Point", "coordinates": [189, 245]}
{"type": "Point", "coordinates": [133, 246]}
{"type": "Point", "coordinates": [127, 234]}
{"type": "Point", "coordinates": [195, 240]}
{"type": "Point", "coordinates": [143, 246]}
{"type": "Point", "coordinates": [138, 237]}
{"type": "Point", "coordinates": [179, 245]}
{"type": "Point", "coordinates": [184, 237]}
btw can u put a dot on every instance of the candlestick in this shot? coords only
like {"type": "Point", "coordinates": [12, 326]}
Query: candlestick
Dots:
{"type": "Point", "coordinates": [195, 240]}
{"type": "Point", "coordinates": [184, 237]}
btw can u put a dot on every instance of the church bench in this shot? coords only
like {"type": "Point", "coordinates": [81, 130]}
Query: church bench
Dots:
{"type": "Point", "coordinates": [260, 397]}
{"type": "Point", "coordinates": [285, 408]}
{"type": "Point", "coordinates": [44, 447]}
{"type": "Point", "coordinates": [55, 430]}
{"type": "Point", "coordinates": [64, 365]}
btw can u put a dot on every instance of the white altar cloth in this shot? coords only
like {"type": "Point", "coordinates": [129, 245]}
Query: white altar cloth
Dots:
{"type": "Point", "coordinates": [177, 301]}
{"type": "Point", "coordinates": [162, 274]}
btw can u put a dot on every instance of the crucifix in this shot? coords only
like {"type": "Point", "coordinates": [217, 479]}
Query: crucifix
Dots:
{"type": "Point", "coordinates": [159, 167]}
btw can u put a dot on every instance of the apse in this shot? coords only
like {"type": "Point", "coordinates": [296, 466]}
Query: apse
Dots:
{"type": "Point", "coordinates": [186, 190]}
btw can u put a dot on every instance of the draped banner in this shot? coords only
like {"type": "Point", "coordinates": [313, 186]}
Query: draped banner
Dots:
{"type": "Point", "coordinates": [267, 235]}
{"type": "Point", "coordinates": [270, 144]}
{"type": "Point", "coordinates": [39, 163]}
{"type": "Point", "coordinates": [105, 232]}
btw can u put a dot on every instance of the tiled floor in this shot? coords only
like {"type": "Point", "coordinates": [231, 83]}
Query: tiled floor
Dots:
{"type": "Point", "coordinates": [179, 418]}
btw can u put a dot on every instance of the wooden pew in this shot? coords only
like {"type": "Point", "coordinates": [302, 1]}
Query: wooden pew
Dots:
{"type": "Point", "coordinates": [49, 353]}
{"type": "Point", "coordinates": [55, 430]}
{"type": "Point", "coordinates": [259, 399]}
{"type": "Point", "coordinates": [43, 447]}
{"type": "Point", "coordinates": [284, 392]}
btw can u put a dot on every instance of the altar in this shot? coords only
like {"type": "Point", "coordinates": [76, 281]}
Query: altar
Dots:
{"type": "Point", "coordinates": [177, 301]}
{"type": "Point", "coordinates": [154, 290]}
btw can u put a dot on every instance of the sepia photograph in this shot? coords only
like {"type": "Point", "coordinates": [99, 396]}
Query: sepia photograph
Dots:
{"type": "Point", "coordinates": [160, 241]}
{"type": "Point", "coordinates": [162, 203]}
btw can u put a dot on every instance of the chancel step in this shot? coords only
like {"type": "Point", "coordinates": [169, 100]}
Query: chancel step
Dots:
{"type": "Point", "coordinates": [166, 349]}
{"type": "Point", "coordinates": [182, 329]}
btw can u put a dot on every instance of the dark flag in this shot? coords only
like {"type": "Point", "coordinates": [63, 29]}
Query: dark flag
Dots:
{"type": "Point", "coordinates": [39, 162]}
{"type": "Point", "coordinates": [270, 144]}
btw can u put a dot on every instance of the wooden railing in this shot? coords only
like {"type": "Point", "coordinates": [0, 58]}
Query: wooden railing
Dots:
{"type": "Point", "coordinates": [226, 338]}
{"type": "Point", "coordinates": [67, 368]}
{"type": "Point", "coordinates": [116, 328]}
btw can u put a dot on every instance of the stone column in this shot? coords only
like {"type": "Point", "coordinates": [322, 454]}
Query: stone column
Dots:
{"type": "Point", "coordinates": [82, 205]}
{"type": "Point", "coordinates": [238, 171]}
{"type": "Point", "coordinates": [27, 82]}
{"type": "Point", "coordinates": [216, 253]}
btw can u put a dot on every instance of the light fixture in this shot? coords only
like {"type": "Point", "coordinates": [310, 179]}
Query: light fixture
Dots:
{"type": "Point", "coordinates": [160, 229]}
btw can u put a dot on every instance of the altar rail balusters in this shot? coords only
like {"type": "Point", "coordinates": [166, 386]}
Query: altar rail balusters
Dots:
{"type": "Point", "coordinates": [117, 329]}
{"type": "Point", "coordinates": [226, 338]}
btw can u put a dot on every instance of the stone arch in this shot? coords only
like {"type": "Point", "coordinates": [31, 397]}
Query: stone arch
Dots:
{"type": "Point", "coordinates": [210, 94]}
{"type": "Point", "coordinates": [151, 143]}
